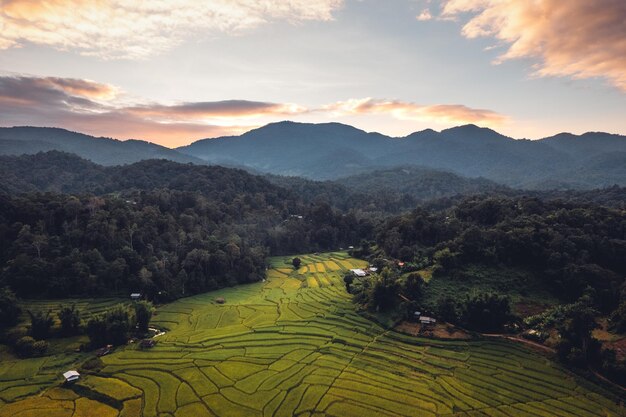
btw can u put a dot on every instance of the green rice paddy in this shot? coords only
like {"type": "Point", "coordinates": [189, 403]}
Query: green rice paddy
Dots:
{"type": "Point", "coordinates": [295, 346]}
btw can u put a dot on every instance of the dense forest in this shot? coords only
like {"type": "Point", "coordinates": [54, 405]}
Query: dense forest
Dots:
{"type": "Point", "coordinates": [571, 247]}
{"type": "Point", "coordinates": [153, 226]}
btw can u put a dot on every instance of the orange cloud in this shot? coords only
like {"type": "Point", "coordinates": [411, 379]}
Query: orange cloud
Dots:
{"type": "Point", "coordinates": [137, 29]}
{"type": "Point", "coordinates": [226, 109]}
{"type": "Point", "coordinates": [442, 113]}
{"type": "Point", "coordinates": [99, 109]}
{"type": "Point", "coordinates": [92, 108]}
{"type": "Point", "coordinates": [572, 38]}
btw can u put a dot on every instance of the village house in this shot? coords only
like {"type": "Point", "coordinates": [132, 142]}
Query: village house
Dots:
{"type": "Point", "coordinates": [71, 377]}
{"type": "Point", "coordinates": [359, 272]}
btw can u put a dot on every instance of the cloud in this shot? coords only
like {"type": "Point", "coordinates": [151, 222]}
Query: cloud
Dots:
{"type": "Point", "coordinates": [424, 15]}
{"type": "Point", "coordinates": [137, 29]}
{"type": "Point", "coordinates": [98, 109]}
{"type": "Point", "coordinates": [441, 113]}
{"type": "Point", "coordinates": [225, 109]}
{"type": "Point", "coordinates": [571, 38]}
{"type": "Point", "coordinates": [104, 110]}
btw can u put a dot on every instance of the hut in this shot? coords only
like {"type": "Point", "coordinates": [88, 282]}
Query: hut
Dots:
{"type": "Point", "coordinates": [71, 377]}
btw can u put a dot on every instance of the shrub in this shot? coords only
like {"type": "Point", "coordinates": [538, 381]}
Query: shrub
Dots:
{"type": "Point", "coordinates": [28, 347]}
{"type": "Point", "coordinates": [40, 324]}
{"type": "Point", "coordinates": [70, 320]}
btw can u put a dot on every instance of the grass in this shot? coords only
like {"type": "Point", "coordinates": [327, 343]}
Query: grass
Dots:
{"type": "Point", "coordinates": [294, 345]}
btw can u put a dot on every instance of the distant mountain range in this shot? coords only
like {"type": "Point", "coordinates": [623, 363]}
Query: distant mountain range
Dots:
{"type": "Point", "coordinates": [333, 150]}
{"type": "Point", "coordinates": [103, 151]}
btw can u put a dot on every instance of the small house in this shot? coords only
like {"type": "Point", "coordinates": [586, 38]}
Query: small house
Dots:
{"type": "Point", "coordinates": [359, 272]}
{"type": "Point", "coordinates": [427, 321]}
{"type": "Point", "coordinates": [220, 300]}
{"type": "Point", "coordinates": [136, 296]}
{"type": "Point", "coordinates": [373, 269]}
{"type": "Point", "coordinates": [71, 377]}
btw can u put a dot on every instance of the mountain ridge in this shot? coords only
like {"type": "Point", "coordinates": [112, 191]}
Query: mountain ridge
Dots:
{"type": "Point", "coordinates": [334, 150]}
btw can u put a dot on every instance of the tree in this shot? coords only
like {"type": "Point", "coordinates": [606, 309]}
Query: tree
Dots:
{"type": "Point", "coordinates": [143, 314]}
{"type": "Point", "coordinates": [9, 310]}
{"type": "Point", "coordinates": [70, 320]}
{"type": "Point", "coordinates": [27, 347]}
{"type": "Point", "coordinates": [384, 290]}
{"type": "Point", "coordinates": [447, 309]}
{"type": "Point", "coordinates": [577, 345]}
{"type": "Point", "coordinates": [97, 331]}
{"type": "Point", "coordinates": [296, 262]}
{"type": "Point", "coordinates": [348, 279]}
{"type": "Point", "coordinates": [118, 324]}
{"type": "Point", "coordinates": [413, 286]}
{"type": "Point", "coordinates": [40, 324]}
{"type": "Point", "coordinates": [485, 311]}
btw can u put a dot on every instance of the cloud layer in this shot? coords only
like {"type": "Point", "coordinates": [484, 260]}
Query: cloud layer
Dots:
{"type": "Point", "coordinates": [138, 29]}
{"type": "Point", "coordinates": [402, 110]}
{"type": "Point", "coordinates": [572, 38]}
{"type": "Point", "coordinates": [103, 109]}
{"type": "Point", "coordinates": [98, 109]}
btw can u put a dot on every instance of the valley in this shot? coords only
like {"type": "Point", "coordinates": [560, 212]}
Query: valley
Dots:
{"type": "Point", "coordinates": [295, 344]}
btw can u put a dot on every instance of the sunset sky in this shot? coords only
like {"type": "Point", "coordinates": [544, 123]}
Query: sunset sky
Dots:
{"type": "Point", "coordinates": [174, 71]}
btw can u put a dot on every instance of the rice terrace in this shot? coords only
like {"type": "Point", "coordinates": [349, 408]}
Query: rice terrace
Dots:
{"type": "Point", "coordinates": [294, 345]}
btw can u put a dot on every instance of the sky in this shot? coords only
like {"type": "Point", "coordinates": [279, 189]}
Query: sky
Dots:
{"type": "Point", "coordinates": [175, 71]}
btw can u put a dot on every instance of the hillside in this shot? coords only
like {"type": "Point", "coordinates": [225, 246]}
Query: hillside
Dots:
{"type": "Point", "coordinates": [62, 172]}
{"type": "Point", "coordinates": [104, 151]}
{"type": "Point", "coordinates": [421, 183]}
{"type": "Point", "coordinates": [332, 150]}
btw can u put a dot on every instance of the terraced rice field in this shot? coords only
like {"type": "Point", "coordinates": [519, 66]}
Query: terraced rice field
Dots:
{"type": "Point", "coordinates": [294, 345]}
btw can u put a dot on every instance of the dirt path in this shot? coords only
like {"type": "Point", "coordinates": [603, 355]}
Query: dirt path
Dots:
{"type": "Point", "coordinates": [520, 340]}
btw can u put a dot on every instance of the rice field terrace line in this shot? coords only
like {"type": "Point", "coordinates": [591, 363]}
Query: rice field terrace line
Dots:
{"type": "Point", "coordinates": [294, 345]}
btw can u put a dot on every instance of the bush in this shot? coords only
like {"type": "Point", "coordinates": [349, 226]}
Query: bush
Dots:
{"type": "Point", "coordinates": [296, 262]}
{"type": "Point", "coordinates": [27, 347]}
{"type": "Point", "coordinates": [40, 324]}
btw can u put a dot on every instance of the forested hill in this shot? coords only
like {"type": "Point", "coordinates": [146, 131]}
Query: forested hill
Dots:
{"type": "Point", "coordinates": [333, 150]}
{"type": "Point", "coordinates": [104, 151]}
{"type": "Point", "coordinates": [422, 183]}
{"type": "Point", "coordinates": [154, 226]}
{"type": "Point", "coordinates": [67, 173]}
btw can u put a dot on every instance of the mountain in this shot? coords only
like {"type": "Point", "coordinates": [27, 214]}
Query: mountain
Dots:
{"type": "Point", "coordinates": [104, 151]}
{"type": "Point", "coordinates": [320, 151]}
{"type": "Point", "coordinates": [333, 150]}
